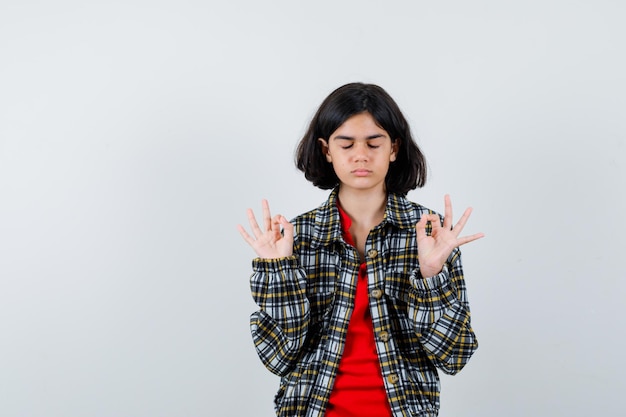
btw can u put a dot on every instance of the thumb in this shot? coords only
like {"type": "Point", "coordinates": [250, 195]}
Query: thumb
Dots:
{"type": "Point", "coordinates": [420, 228]}
{"type": "Point", "coordinates": [287, 228]}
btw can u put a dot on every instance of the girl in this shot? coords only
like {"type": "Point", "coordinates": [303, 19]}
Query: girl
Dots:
{"type": "Point", "coordinates": [362, 299]}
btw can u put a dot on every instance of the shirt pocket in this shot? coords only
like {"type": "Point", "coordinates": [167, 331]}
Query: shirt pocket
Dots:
{"type": "Point", "coordinates": [397, 285]}
{"type": "Point", "coordinates": [321, 289]}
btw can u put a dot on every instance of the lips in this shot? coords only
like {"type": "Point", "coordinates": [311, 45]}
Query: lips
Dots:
{"type": "Point", "coordinates": [361, 172]}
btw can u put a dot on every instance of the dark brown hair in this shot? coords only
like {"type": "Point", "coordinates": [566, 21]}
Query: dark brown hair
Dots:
{"type": "Point", "coordinates": [406, 173]}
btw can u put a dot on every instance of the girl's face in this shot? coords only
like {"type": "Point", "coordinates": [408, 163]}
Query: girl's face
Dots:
{"type": "Point", "coordinates": [360, 152]}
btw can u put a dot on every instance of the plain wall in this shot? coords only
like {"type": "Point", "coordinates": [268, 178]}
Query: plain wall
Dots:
{"type": "Point", "coordinates": [134, 134]}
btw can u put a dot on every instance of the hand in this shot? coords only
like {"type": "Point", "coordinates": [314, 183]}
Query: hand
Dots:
{"type": "Point", "coordinates": [269, 243]}
{"type": "Point", "coordinates": [433, 250]}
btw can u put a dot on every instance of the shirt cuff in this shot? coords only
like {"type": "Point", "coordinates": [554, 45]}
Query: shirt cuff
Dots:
{"type": "Point", "coordinates": [430, 283]}
{"type": "Point", "coordinates": [274, 265]}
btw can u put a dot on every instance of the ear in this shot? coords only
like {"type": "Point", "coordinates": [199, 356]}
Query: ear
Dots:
{"type": "Point", "coordinates": [325, 149]}
{"type": "Point", "coordinates": [395, 148]}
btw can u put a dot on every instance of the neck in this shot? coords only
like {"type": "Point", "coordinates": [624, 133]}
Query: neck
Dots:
{"type": "Point", "coordinates": [364, 208]}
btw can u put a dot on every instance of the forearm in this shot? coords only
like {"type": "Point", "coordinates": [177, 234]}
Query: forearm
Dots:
{"type": "Point", "coordinates": [279, 328]}
{"type": "Point", "coordinates": [441, 317]}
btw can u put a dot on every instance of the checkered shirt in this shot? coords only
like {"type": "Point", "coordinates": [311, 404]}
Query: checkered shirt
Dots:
{"type": "Point", "coordinates": [305, 302]}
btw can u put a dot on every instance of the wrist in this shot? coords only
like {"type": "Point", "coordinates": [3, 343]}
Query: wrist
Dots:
{"type": "Point", "coordinates": [428, 271]}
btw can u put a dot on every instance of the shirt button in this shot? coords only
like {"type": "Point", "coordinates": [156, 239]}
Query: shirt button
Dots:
{"type": "Point", "coordinates": [376, 293]}
{"type": "Point", "coordinates": [393, 378]}
{"type": "Point", "coordinates": [384, 336]}
{"type": "Point", "coordinates": [372, 253]}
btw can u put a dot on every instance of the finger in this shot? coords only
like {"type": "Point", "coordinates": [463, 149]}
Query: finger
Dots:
{"type": "Point", "coordinates": [245, 235]}
{"type": "Point", "coordinates": [447, 218]}
{"type": "Point", "coordinates": [467, 239]}
{"type": "Point", "coordinates": [434, 219]}
{"type": "Point", "coordinates": [461, 223]}
{"type": "Point", "coordinates": [253, 224]}
{"type": "Point", "coordinates": [287, 228]}
{"type": "Point", "coordinates": [267, 217]}
{"type": "Point", "coordinates": [276, 227]}
{"type": "Point", "coordinates": [420, 227]}
{"type": "Point", "coordinates": [431, 217]}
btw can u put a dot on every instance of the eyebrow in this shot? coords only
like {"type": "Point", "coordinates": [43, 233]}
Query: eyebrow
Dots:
{"type": "Point", "coordinates": [376, 136]}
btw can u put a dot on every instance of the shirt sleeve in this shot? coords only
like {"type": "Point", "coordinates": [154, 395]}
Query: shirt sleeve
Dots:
{"type": "Point", "coordinates": [440, 314]}
{"type": "Point", "coordinates": [279, 328]}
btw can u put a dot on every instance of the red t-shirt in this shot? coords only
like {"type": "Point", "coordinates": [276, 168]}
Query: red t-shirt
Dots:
{"type": "Point", "coordinates": [359, 389]}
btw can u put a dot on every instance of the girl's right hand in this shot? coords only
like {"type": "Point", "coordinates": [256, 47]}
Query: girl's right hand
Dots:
{"type": "Point", "coordinates": [269, 243]}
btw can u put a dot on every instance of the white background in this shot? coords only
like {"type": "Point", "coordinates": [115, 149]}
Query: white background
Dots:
{"type": "Point", "coordinates": [134, 134]}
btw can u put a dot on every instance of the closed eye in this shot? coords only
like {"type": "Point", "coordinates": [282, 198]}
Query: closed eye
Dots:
{"type": "Point", "coordinates": [369, 145]}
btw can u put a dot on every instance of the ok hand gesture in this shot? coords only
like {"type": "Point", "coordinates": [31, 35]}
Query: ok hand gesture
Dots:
{"type": "Point", "coordinates": [269, 242]}
{"type": "Point", "coordinates": [433, 250]}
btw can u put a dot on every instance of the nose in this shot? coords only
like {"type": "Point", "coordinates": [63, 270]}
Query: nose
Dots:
{"type": "Point", "coordinates": [361, 152]}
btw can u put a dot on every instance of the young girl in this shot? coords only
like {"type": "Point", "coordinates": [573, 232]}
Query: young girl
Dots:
{"type": "Point", "coordinates": [362, 299]}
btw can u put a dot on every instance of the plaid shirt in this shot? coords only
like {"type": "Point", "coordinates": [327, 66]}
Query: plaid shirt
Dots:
{"type": "Point", "coordinates": [306, 300]}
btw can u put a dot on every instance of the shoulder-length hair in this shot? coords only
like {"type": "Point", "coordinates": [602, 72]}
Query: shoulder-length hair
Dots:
{"type": "Point", "coordinates": [406, 173]}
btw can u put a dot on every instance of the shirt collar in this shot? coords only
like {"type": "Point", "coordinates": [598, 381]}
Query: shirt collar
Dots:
{"type": "Point", "coordinates": [399, 212]}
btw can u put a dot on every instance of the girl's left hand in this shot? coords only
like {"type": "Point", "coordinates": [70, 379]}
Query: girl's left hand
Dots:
{"type": "Point", "coordinates": [433, 250]}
